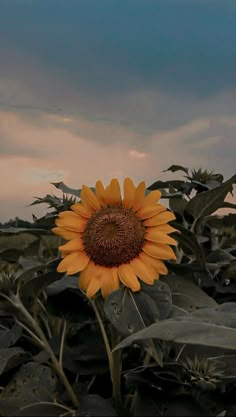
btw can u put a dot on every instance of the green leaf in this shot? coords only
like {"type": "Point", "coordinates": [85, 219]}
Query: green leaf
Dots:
{"type": "Point", "coordinates": [11, 358]}
{"type": "Point", "coordinates": [160, 293]}
{"type": "Point", "coordinates": [189, 243]}
{"type": "Point", "coordinates": [67, 190]}
{"type": "Point", "coordinates": [174, 168]}
{"type": "Point", "coordinates": [10, 336]}
{"type": "Point", "coordinates": [34, 286]}
{"type": "Point", "coordinates": [220, 257]}
{"type": "Point", "coordinates": [186, 295]}
{"type": "Point", "coordinates": [208, 202]}
{"type": "Point", "coordinates": [178, 205]}
{"type": "Point", "coordinates": [62, 284]}
{"type": "Point", "coordinates": [178, 184]}
{"type": "Point", "coordinates": [32, 383]}
{"type": "Point", "coordinates": [130, 312]}
{"type": "Point", "coordinates": [208, 327]}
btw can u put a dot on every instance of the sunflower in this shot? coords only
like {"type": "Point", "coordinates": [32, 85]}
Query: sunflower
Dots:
{"type": "Point", "coordinates": [113, 240]}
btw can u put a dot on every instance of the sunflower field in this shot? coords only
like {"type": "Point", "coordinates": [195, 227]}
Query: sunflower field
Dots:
{"type": "Point", "coordinates": [121, 301]}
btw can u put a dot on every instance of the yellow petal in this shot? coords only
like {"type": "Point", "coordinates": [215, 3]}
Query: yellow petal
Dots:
{"type": "Point", "coordinates": [128, 277]}
{"type": "Point", "coordinates": [145, 272]}
{"type": "Point", "coordinates": [155, 263]}
{"type": "Point", "coordinates": [158, 219]}
{"type": "Point", "coordinates": [139, 196]}
{"type": "Point", "coordinates": [129, 191]}
{"type": "Point", "coordinates": [150, 211]}
{"type": "Point", "coordinates": [164, 228]}
{"type": "Point", "coordinates": [159, 237]}
{"type": "Point", "coordinates": [93, 287]}
{"type": "Point", "coordinates": [113, 196]}
{"type": "Point", "coordinates": [72, 222]}
{"type": "Point", "coordinates": [89, 199]}
{"type": "Point", "coordinates": [74, 262]}
{"type": "Point", "coordinates": [100, 192]}
{"type": "Point", "coordinates": [65, 234]}
{"type": "Point", "coordinates": [152, 198]}
{"type": "Point", "coordinates": [72, 245]}
{"type": "Point", "coordinates": [110, 281]}
{"type": "Point", "coordinates": [160, 251]}
{"type": "Point", "coordinates": [87, 275]}
{"type": "Point", "coordinates": [82, 210]}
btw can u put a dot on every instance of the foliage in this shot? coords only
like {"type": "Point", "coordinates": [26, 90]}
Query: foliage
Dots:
{"type": "Point", "coordinates": [167, 350]}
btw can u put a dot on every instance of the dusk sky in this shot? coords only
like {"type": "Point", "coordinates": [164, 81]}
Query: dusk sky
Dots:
{"type": "Point", "coordinates": [95, 89]}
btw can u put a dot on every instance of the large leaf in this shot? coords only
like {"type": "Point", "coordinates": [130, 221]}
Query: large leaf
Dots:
{"type": "Point", "coordinates": [12, 357]}
{"type": "Point", "coordinates": [208, 202]}
{"type": "Point", "coordinates": [34, 286]}
{"type": "Point", "coordinates": [208, 327]}
{"type": "Point", "coordinates": [178, 205]}
{"type": "Point", "coordinates": [175, 168]}
{"type": "Point", "coordinates": [32, 383]}
{"type": "Point", "coordinates": [189, 243]}
{"type": "Point", "coordinates": [178, 184]}
{"type": "Point", "coordinates": [67, 190]}
{"type": "Point", "coordinates": [9, 337]}
{"type": "Point", "coordinates": [62, 284]}
{"type": "Point", "coordinates": [130, 312]}
{"type": "Point", "coordinates": [186, 295]}
{"type": "Point", "coordinates": [160, 293]}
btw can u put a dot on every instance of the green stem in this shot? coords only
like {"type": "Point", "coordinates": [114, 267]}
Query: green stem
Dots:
{"type": "Point", "coordinates": [16, 301]}
{"type": "Point", "coordinates": [114, 358]}
{"type": "Point", "coordinates": [116, 375]}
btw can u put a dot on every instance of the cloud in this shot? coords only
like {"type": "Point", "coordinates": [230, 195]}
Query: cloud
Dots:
{"type": "Point", "coordinates": [51, 148]}
{"type": "Point", "coordinates": [137, 155]}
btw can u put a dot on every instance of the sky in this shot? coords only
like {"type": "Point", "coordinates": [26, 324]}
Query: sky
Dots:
{"type": "Point", "coordinates": [95, 89]}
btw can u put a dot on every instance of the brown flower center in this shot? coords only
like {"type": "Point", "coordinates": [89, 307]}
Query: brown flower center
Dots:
{"type": "Point", "coordinates": [113, 236]}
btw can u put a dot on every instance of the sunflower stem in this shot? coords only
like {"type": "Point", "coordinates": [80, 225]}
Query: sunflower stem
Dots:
{"type": "Point", "coordinates": [114, 358]}
{"type": "Point", "coordinates": [40, 336]}
{"type": "Point", "coordinates": [116, 371]}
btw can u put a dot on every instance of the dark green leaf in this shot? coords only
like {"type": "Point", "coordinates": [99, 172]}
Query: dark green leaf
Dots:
{"type": "Point", "coordinates": [209, 327]}
{"type": "Point", "coordinates": [11, 255]}
{"type": "Point", "coordinates": [32, 383]}
{"type": "Point", "coordinates": [67, 190]}
{"type": "Point", "coordinates": [186, 295]}
{"type": "Point", "coordinates": [178, 184]}
{"type": "Point", "coordinates": [62, 284]}
{"type": "Point", "coordinates": [208, 202]}
{"type": "Point", "coordinates": [174, 168]}
{"type": "Point", "coordinates": [10, 336]}
{"type": "Point", "coordinates": [189, 243]}
{"type": "Point", "coordinates": [220, 257]}
{"type": "Point", "coordinates": [12, 357]}
{"type": "Point", "coordinates": [178, 205]}
{"type": "Point", "coordinates": [33, 287]}
{"type": "Point", "coordinates": [160, 293]}
{"type": "Point", "coordinates": [130, 312]}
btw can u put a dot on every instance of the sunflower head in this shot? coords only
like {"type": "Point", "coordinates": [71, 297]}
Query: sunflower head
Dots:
{"type": "Point", "coordinates": [115, 240]}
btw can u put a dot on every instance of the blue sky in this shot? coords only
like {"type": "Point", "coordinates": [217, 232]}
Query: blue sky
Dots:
{"type": "Point", "coordinates": [135, 77]}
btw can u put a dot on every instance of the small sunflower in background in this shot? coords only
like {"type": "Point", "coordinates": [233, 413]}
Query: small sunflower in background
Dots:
{"type": "Point", "coordinates": [113, 240]}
